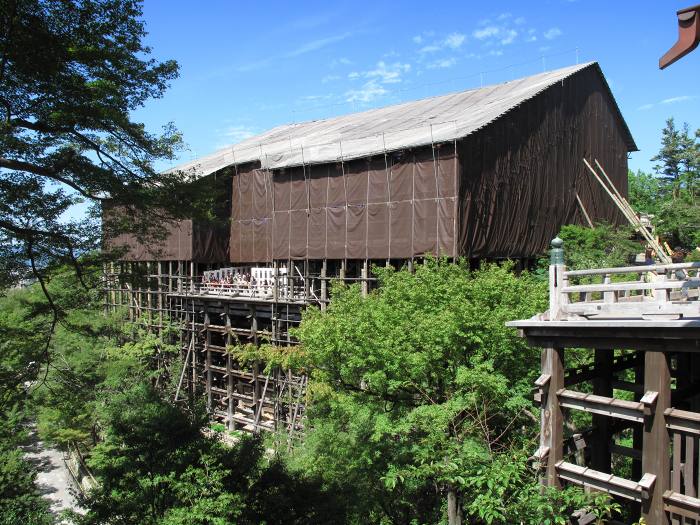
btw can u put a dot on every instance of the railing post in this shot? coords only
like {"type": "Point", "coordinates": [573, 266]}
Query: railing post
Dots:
{"type": "Point", "coordinates": [655, 452]}
{"type": "Point", "coordinates": [557, 279]}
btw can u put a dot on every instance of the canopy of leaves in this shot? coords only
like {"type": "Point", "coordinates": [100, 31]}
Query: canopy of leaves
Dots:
{"type": "Point", "coordinates": [71, 74]}
{"type": "Point", "coordinates": [419, 389]}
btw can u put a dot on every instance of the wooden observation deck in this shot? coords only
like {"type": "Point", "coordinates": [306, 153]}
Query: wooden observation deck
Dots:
{"type": "Point", "coordinates": [642, 324]}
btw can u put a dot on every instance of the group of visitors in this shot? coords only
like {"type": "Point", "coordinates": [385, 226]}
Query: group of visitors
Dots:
{"type": "Point", "coordinates": [236, 281]}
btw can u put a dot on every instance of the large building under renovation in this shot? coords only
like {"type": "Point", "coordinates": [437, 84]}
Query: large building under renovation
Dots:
{"type": "Point", "coordinates": [488, 173]}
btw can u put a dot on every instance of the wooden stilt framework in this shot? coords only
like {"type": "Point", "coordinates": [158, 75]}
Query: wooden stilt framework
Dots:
{"type": "Point", "coordinates": [644, 337]}
{"type": "Point", "coordinates": [209, 321]}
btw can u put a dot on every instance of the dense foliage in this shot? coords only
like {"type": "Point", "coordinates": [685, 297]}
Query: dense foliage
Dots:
{"type": "Point", "coordinates": [421, 398]}
{"type": "Point", "coordinates": [71, 74]}
{"type": "Point", "coordinates": [672, 196]}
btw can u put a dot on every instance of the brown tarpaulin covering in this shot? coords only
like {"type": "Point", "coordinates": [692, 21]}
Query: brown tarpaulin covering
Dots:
{"type": "Point", "coordinates": [520, 175]}
{"type": "Point", "coordinates": [398, 206]}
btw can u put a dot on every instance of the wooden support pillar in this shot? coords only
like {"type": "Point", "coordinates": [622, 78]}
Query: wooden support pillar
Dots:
{"type": "Point", "coordinates": [655, 454]}
{"type": "Point", "coordinates": [602, 386]}
{"type": "Point", "coordinates": [207, 350]}
{"type": "Point", "coordinates": [552, 418]}
{"type": "Point", "coordinates": [230, 423]}
{"type": "Point", "coordinates": [307, 282]}
{"type": "Point", "coordinates": [290, 280]}
{"type": "Point", "coordinates": [343, 268]}
{"type": "Point", "coordinates": [275, 282]}
{"type": "Point", "coordinates": [638, 430]}
{"type": "Point", "coordinates": [160, 292]}
{"type": "Point", "coordinates": [365, 274]}
{"type": "Point", "coordinates": [324, 284]}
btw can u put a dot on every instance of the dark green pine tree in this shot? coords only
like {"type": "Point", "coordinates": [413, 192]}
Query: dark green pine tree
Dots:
{"type": "Point", "coordinates": [71, 74]}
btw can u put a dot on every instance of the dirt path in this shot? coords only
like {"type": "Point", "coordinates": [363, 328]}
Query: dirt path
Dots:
{"type": "Point", "coordinates": [53, 478]}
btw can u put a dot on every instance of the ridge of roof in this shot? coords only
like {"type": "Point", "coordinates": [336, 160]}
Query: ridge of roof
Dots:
{"type": "Point", "coordinates": [414, 123]}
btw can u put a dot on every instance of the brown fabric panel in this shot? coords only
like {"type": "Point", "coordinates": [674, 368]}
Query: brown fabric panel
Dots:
{"type": "Point", "coordinates": [335, 233]}
{"type": "Point", "coordinates": [280, 225]}
{"type": "Point", "coordinates": [521, 174]}
{"type": "Point", "coordinates": [425, 226]}
{"type": "Point", "coordinates": [446, 232]}
{"type": "Point", "coordinates": [175, 244]}
{"type": "Point", "coordinates": [357, 232]}
{"type": "Point", "coordinates": [378, 180]}
{"type": "Point", "coordinates": [378, 231]}
{"type": "Point", "coordinates": [318, 185]}
{"type": "Point", "coordinates": [210, 242]}
{"type": "Point", "coordinates": [235, 242]}
{"type": "Point", "coordinates": [261, 199]}
{"type": "Point", "coordinates": [281, 182]}
{"type": "Point", "coordinates": [246, 185]}
{"type": "Point", "coordinates": [261, 246]}
{"type": "Point", "coordinates": [235, 197]}
{"type": "Point", "coordinates": [298, 238]}
{"type": "Point", "coordinates": [247, 240]}
{"type": "Point", "coordinates": [356, 177]}
{"type": "Point", "coordinates": [448, 170]}
{"type": "Point", "coordinates": [336, 186]}
{"type": "Point", "coordinates": [401, 178]}
{"type": "Point", "coordinates": [317, 233]}
{"type": "Point", "coordinates": [298, 189]}
{"type": "Point", "coordinates": [401, 217]}
{"type": "Point", "coordinates": [425, 174]}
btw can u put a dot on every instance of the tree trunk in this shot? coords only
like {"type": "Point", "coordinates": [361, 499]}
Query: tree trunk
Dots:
{"type": "Point", "coordinates": [454, 509]}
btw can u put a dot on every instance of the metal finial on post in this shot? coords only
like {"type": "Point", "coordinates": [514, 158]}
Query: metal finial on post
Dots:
{"type": "Point", "coordinates": [557, 251]}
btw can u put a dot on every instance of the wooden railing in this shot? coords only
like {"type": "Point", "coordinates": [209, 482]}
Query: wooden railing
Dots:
{"type": "Point", "coordinates": [659, 291]}
{"type": "Point", "coordinates": [681, 501]}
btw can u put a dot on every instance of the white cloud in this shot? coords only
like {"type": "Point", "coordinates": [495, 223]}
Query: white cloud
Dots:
{"type": "Point", "coordinates": [238, 133]}
{"type": "Point", "coordinates": [508, 36]}
{"type": "Point", "coordinates": [504, 16]}
{"type": "Point", "coordinates": [442, 63]}
{"type": "Point", "coordinates": [418, 39]}
{"type": "Point", "coordinates": [495, 53]}
{"type": "Point", "coordinates": [329, 78]}
{"type": "Point", "coordinates": [455, 40]}
{"type": "Point", "coordinates": [486, 32]}
{"type": "Point", "coordinates": [388, 73]}
{"type": "Point", "coordinates": [552, 33]}
{"type": "Point", "coordinates": [673, 100]}
{"type": "Point", "coordinates": [315, 45]}
{"type": "Point", "coordinates": [519, 21]}
{"type": "Point", "coordinates": [645, 107]}
{"type": "Point", "coordinates": [368, 92]}
{"type": "Point", "coordinates": [342, 61]}
{"type": "Point", "coordinates": [383, 73]}
{"type": "Point", "coordinates": [430, 49]}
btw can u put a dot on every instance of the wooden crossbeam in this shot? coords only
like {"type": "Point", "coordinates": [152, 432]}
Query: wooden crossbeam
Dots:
{"type": "Point", "coordinates": [682, 505]}
{"type": "Point", "coordinates": [615, 485]}
{"type": "Point", "coordinates": [682, 421]}
{"type": "Point", "coordinates": [607, 406]}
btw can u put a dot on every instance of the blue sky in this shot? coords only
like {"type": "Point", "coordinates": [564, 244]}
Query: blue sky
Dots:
{"type": "Point", "coordinates": [249, 66]}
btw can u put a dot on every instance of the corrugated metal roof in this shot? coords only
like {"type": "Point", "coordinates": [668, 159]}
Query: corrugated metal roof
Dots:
{"type": "Point", "coordinates": [431, 120]}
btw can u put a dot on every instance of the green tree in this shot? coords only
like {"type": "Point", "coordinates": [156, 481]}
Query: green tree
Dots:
{"type": "Point", "coordinates": [678, 158]}
{"type": "Point", "coordinates": [71, 74]}
{"type": "Point", "coordinates": [420, 396]}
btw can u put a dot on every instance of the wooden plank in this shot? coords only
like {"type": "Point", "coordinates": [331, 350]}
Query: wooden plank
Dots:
{"type": "Point", "coordinates": [655, 457]}
{"type": "Point", "coordinates": [682, 421]}
{"type": "Point", "coordinates": [606, 406]}
{"type": "Point", "coordinates": [681, 504]}
{"type": "Point", "coordinates": [690, 466]}
{"type": "Point", "coordinates": [552, 417]}
{"type": "Point", "coordinates": [636, 285]}
{"type": "Point", "coordinates": [662, 268]}
{"type": "Point", "coordinates": [676, 472]}
{"type": "Point", "coordinates": [615, 485]}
